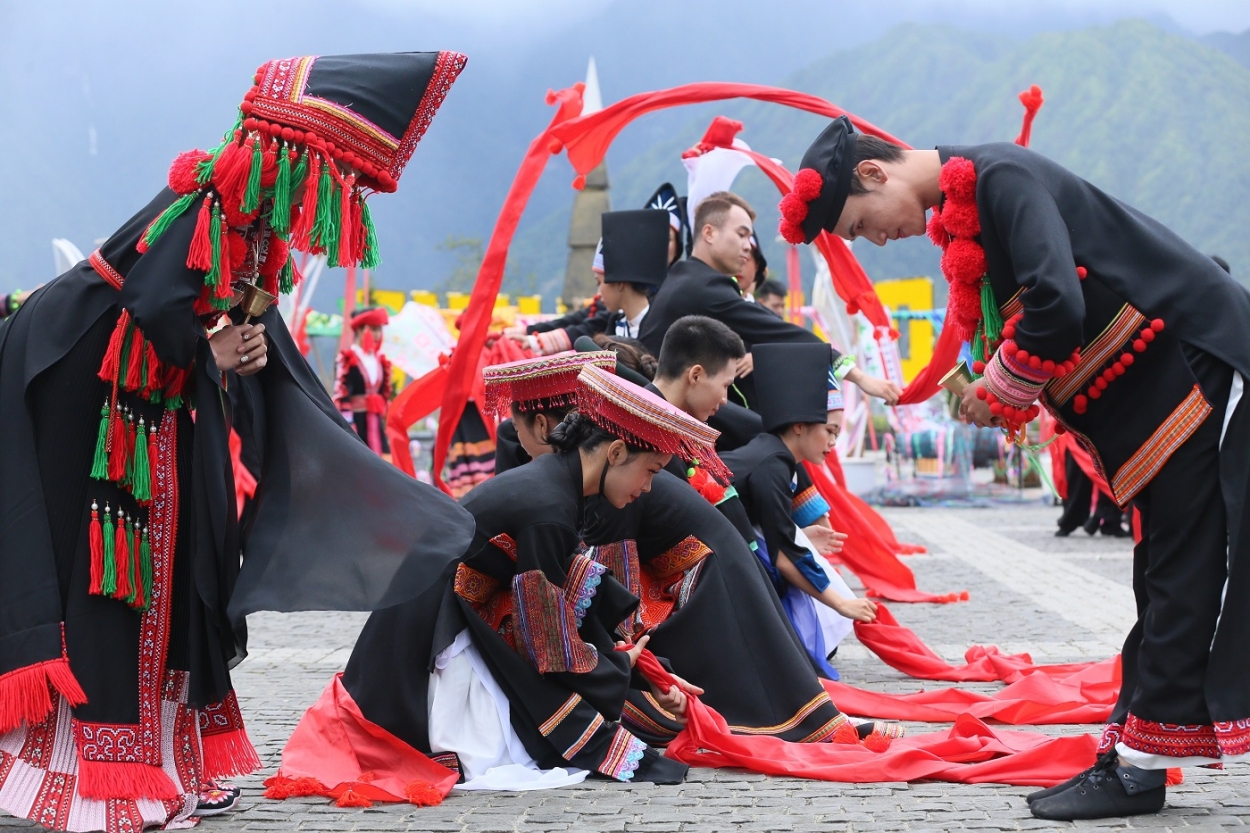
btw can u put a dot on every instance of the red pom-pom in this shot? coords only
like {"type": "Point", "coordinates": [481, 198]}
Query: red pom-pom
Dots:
{"type": "Point", "coordinates": [996, 408]}
{"type": "Point", "coordinates": [1157, 325]}
{"type": "Point", "coordinates": [1009, 413]}
{"type": "Point", "coordinates": [1147, 335]}
{"type": "Point", "coordinates": [1118, 368]}
{"type": "Point", "coordinates": [183, 172]}
{"type": "Point", "coordinates": [237, 248]}
{"type": "Point", "coordinates": [1082, 272]}
{"type": "Point", "coordinates": [236, 217]}
{"type": "Point", "coordinates": [978, 368]}
{"type": "Point", "coordinates": [964, 306]}
{"type": "Point", "coordinates": [1127, 359]}
{"type": "Point", "coordinates": [1048, 366]}
{"type": "Point", "coordinates": [958, 179]}
{"type": "Point", "coordinates": [1009, 332]}
{"type": "Point", "coordinates": [1079, 403]}
{"type": "Point", "coordinates": [1094, 392]}
{"type": "Point", "coordinates": [935, 229]}
{"type": "Point", "coordinates": [1139, 346]}
{"type": "Point", "coordinates": [960, 218]}
{"type": "Point", "coordinates": [1100, 383]}
{"type": "Point", "coordinates": [1035, 362]}
{"type": "Point", "coordinates": [808, 184]}
{"type": "Point", "coordinates": [964, 262]}
{"type": "Point", "coordinates": [791, 232]}
{"type": "Point", "coordinates": [981, 394]}
{"type": "Point", "coordinates": [1022, 356]}
{"type": "Point", "coordinates": [1109, 375]}
{"type": "Point", "coordinates": [793, 208]}
{"type": "Point", "coordinates": [1060, 371]}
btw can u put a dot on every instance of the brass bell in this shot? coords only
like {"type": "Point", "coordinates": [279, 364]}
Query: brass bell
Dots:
{"type": "Point", "coordinates": [958, 378]}
{"type": "Point", "coordinates": [255, 301]}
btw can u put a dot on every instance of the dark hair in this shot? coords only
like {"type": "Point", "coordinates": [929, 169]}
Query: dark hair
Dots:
{"type": "Point", "coordinates": [1222, 263]}
{"type": "Point", "coordinates": [578, 431]}
{"type": "Point", "coordinates": [646, 289]}
{"type": "Point", "coordinates": [870, 147]}
{"type": "Point", "coordinates": [772, 286]}
{"type": "Point", "coordinates": [697, 339]}
{"type": "Point", "coordinates": [715, 208]}
{"type": "Point", "coordinates": [526, 417]}
{"type": "Point", "coordinates": [630, 352]}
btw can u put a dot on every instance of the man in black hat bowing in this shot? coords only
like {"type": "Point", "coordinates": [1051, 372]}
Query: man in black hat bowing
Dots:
{"type": "Point", "coordinates": [701, 285]}
{"type": "Point", "coordinates": [1133, 340]}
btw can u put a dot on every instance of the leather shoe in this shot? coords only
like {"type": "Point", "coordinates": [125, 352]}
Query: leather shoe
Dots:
{"type": "Point", "coordinates": [1110, 790]}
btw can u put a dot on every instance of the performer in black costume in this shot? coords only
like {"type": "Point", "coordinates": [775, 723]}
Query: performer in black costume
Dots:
{"type": "Point", "coordinates": [1135, 342]}
{"type": "Point", "coordinates": [542, 616]}
{"type": "Point", "coordinates": [701, 285]}
{"type": "Point", "coordinates": [120, 578]}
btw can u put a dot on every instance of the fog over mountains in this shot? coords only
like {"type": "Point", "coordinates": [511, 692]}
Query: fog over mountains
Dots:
{"type": "Point", "coordinates": [96, 99]}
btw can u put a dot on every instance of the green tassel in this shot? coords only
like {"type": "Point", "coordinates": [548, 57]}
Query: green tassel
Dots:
{"type": "Point", "coordinates": [136, 573]}
{"type": "Point", "coordinates": [251, 194]}
{"type": "Point", "coordinates": [205, 172]}
{"type": "Point", "coordinates": [108, 586]}
{"type": "Point", "coordinates": [300, 173]}
{"type": "Point", "coordinates": [128, 474]}
{"type": "Point", "coordinates": [141, 475]}
{"type": "Point", "coordinates": [324, 233]}
{"type": "Point", "coordinates": [280, 215]}
{"type": "Point", "coordinates": [286, 278]}
{"type": "Point", "coordinates": [166, 219]}
{"type": "Point", "coordinates": [100, 463]}
{"type": "Point", "coordinates": [371, 258]}
{"type": "Point", "coordinates": [213, 275]}
{"type": "Point", "coordinates": [991, 319]}
{"type": "Point", "coordinates": [145, 567]}
{"type": "Point", "coordinates": [978, 347]}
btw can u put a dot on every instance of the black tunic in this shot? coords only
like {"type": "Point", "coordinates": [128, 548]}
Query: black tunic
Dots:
{"type": "Point", "coordinates": [726, 631]}
{"type": "Point", "coordinates": [509, 453]}
{"type": "Point", "coordinates": [694, 288]}
{"type": "Point", "coordinates": [512, 590]}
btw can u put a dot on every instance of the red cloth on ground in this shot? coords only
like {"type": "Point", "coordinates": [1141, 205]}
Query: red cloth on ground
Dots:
{"type": "Point", "coordinates": [866, 553]}
{"type": "Point", "coordinates": [969, 752]}
{"type": "Point", "coordinates": [340, 750]}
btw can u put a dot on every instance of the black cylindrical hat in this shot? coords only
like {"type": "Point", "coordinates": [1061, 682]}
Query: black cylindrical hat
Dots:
{"type": "Point", "coordinates": [791, 383]}
{"type": "Point", "coordinates": [635, 246]}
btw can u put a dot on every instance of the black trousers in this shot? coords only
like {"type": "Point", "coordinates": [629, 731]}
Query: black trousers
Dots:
{"type": "Point", "coordinates": [1080, 494]}
{"type": "Point", "coordinates": [1172, 674]}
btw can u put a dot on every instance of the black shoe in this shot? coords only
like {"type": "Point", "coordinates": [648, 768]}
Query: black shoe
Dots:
{"type": "Point", "coordinates": [1091, 526]}
{"type": "Point", "coordinates": [1110, 790]}
{"type": "Point", "coordinates": [1062, 533]}
{"type": "Point", "coordinates": [216, 798]}
{"type": "Point", "coordinates": [1058, 788]}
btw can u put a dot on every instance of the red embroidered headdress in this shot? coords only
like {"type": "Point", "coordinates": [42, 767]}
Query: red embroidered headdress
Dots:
{"type": "Point", "coordinates": [540, 384]}
{"type": "Point", "coordinates": [643, 419]}
{"type": "Point", "coordinates": [374, 317]}
{"type": "Point", "coordinates": [313, 138]}
{"type": "Point", "coordinates": [821, 185]}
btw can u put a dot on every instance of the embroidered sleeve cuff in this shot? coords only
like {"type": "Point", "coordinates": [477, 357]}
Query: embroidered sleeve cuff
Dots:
{"type": "Point", "coordinates": [1014, 383]}
{"type": "Point", "coordinates": [842, 365]}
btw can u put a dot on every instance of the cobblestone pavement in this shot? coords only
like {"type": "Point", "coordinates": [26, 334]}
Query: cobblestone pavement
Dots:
{"type": "Point", "coordinates": [1061, 599]}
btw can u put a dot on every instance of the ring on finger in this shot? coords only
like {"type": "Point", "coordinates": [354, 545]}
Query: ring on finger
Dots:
{"type": "Point", "coordinates": [242, 359]}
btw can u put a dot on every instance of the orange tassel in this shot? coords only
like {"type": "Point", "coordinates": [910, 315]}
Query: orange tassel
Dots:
{"type": "Point", "coordinates": [422, 794]}
{"type": "Point", "coordinates": [200, 253]}
{"type": "Point", "coordinates": [877, 742]}
{"type": "Point", "coordinates": [350, 798]}
{"type": "Point", "coordinates": [846, 733]}
{"type": "Point", "coordinates": [1175, 777]}
{"type": "Point", "coordinates": [280, 787]}
{"type": "Point", "coordinates": [96, 537]}
{"type": "Point", "coordinates": [122, 554]}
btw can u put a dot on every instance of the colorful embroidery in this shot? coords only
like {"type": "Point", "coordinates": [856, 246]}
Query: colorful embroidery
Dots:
{"type": "Point", "coordinates": [808, 507]}
{"type": "Point", "coordinates": [624, 756]}
{"type": "Point", "coordinates": [679, 558]}
{"type": "Point", "coordinates": [585, 575]}
{"type": "Point", "coordinates": [1106, 347]}
{"type": "Point", "coordinates": [507, 543]}
{"type": "Point", "coordinates": [549, 725]}
{"type": "Point", "coordinates": [1173, 740]}
{"type": "Point", "coordinates": [1014, 305]}
{"type": "Point", "coordinates": [105, 270]}
{"type": "Point", "coordinates": [1180, 425]}
{"type": "Point", "coordinates": [1110, 737]}
{"type": "Point", "coordinates": [827, 731]}
{"type": "Point", "coordinates": [802, 714]}
{"type": "Point", "coordinates": [578, 744]}
{"type": "Point", "coordinates": [449, 760]}
{"type": "Point", "coordinates": [636, 717]}
{"type": "Point", "coordinates": [547, 628]}
{"type": "Point", "coordinates": [1233, 737]}
{"type": "Point", "coordinates": [474, 586]}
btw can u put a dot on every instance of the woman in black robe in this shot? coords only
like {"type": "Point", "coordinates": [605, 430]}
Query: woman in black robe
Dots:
{"type": "Point", "coordinates": [124, 574]}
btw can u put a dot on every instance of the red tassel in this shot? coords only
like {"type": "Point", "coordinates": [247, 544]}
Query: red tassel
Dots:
{"type": "Point", "coordinates": [134, 361]}
{"type": "Point", "coordinates": [359, 234]}
{"type": "Point", "coordinates": [347, 232]}
{"type": "Point", "coordinates": [302, 230]}
{"type": "Point", "coordinates": [877, 742]}
{"type": "Point", "coordinates": [1032, 101]}
{"type": "Point", "coordinates": [1175, 777]}
{"type": "Point", "coordinates": [350, 798]}
{"type": "Point", "coordinates": [200, 253]}
{"type": "Point", "coordinates": [846, 733]}
{"type": "Point", "coordinates": [117, 446]}
{"type": "Point", "coordinates": [112, 780]}
{"type": "Point", "coordinates": [26, 693]}
{"type": "Point", "coordinates": [224, 289]}
{"type": "Point", "coordinates": [122, 554]}
{"type": "Point", "coordinates": [108, 367]}
{"type": "Point", "coordinates": [422, 794]}
{"type": "Point", "coordinates": [231, 172]}
{"type": "Point", "coordinates": [152, 459]}
{"type": "Point", "coordinates": [229, 754]}
{"type": "Point", "coordinates": [96, 537]}
{"type": "Point", "coordinates": [153, 370]}
{"type": "Point", "coordinates": [280, 787]}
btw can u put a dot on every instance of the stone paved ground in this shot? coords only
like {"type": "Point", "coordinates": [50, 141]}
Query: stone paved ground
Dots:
{"type": "Point", "coordinates": [1061, 599]}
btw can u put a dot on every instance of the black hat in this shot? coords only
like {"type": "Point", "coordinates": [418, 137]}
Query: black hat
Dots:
{"type": "Point", "coordinates": [791, 383]}
{"type": "Point", "coordinates": [665, 198]}
{"type": "Point", "coordinates": [821, 186]}
{"type": "Point", "coordinates": [635, 246]}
